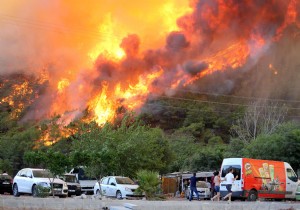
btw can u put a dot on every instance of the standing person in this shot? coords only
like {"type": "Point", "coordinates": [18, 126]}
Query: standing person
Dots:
{"type": "Point", "coordinates": [193, 187]}
{"type": "Point", "coordinates": [229, 178]}
{"type": "Point", "coordinates": [212, 183]}
{"type": "Point", "coordinates": [217, 181]}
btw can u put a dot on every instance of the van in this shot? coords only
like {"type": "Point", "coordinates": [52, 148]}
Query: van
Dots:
{"type": "Point", "coordinates": [259, 179]}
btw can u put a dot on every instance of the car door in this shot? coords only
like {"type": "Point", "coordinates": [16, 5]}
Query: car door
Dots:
{"type": "Point", "coordinates": [28, 181]}
{"type": "Point", "coordinates": [103, 184]}
{"type": "Point", "coordinates": [20, 180]}
{"type": "Point", "coordinates": [112, 187]}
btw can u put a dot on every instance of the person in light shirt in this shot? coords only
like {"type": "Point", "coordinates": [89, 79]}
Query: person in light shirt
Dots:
{"type": "Point", "coordinates": [229, 179]}
{"type": "Point", "coordinates": [217, 181]}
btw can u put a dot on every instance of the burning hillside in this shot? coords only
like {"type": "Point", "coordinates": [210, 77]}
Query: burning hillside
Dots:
{"type": "Point", "coordinates": [106, 57]}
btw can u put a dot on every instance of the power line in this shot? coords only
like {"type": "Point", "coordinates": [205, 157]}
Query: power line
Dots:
{"type": "Point", "coordinates": [222, 103]}
{"type": "Point", "coordinates": [56, 28]}
{"type": "Point", "coordinates": [206, 111]}
{"type": "Point", "coordinates": [239, 97]}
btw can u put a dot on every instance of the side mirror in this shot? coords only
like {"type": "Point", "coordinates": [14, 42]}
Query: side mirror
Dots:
{"type": "Point", "coordinates": [113, 184]}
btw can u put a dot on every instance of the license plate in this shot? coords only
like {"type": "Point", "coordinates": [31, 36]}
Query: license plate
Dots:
{"type": "Point", "coordinates": [6, 183]}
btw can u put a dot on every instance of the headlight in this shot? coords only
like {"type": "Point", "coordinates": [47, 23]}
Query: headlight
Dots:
{"type": "Point", "coordinates": [127, 189]}
{"type": "Point", "coordinates": [44, 184]}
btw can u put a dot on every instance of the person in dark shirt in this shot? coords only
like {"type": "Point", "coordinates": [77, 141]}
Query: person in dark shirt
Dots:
{"type": "Point", "coordinates": [193, 187]}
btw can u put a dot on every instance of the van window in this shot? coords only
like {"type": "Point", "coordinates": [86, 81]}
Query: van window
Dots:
{"type": "Point", "coordinates": [291, 174]}
{"type": "Point", "coordinates": [236, 170]}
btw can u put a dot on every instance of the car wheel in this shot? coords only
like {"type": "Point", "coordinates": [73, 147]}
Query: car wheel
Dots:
{"type": "Point", "coordinates": [98, 193]}
{"type": "Point", "coordinates": [34, 191]}
{"type": "Point", "coordinates": [16, 191]}
{"type": "Point", "coordinates": [187, 195]}
{"type": "Point", "coordinates": [252, 195]}
{"type": "Point", "coordinates": [119, 195]}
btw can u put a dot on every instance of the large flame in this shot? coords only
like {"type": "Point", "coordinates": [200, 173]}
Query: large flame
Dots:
{"type": "Point", "coordinates": [122, 51]}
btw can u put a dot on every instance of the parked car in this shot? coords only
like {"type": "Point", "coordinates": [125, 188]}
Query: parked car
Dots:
{"type": "Point", "coordinates": [116, 186]}
{"type": "Point", "coordinates": [5, 184]}
{"type": "Point", "coordinates": [87, 183]}
{"type": "Point", "coordinates": [74, 187]}
{"type": "Point", "coordinates": [203, 189]}
{"type": "Point", "coordinates": [27, 179]}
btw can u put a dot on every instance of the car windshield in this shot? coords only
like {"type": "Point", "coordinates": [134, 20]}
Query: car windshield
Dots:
{"type": "Point", "coordinates": [42, 174]}
{"type": "Point", "coordinates": [70, 178]}
{"type": "Point", "coordinates": [124, 180]}
{"type": "Point", "coordinates": [201, 184]}
{"type": "Point", "coordinates": [5, 177]}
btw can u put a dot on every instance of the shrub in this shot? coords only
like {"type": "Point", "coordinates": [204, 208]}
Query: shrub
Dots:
{"type": "Point", "coordinates": [42, 191]}
{"type": "Point", "coordinates": [148, 183]}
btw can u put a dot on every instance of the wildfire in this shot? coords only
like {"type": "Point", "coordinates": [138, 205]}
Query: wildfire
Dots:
{"type": "Point", "coordinates": [105, 104]}
{"type": "Point", "coordinates": [110, 35]}
{"type": "Point", "coordinates": [17, 97]}
{"type": "Point", "coordinates": [62, 84]}
{"type": "Point", "coordinates": [121, 53]}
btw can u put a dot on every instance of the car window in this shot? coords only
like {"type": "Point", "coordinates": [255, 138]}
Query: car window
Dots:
{"type": "Point", "coordinates": [111, 180]}
{"type": "Point", "coordinates": [23, 172]}
{"type": "Point", "coordinates": [104, 180]}
{"type": "Point", "coordinates": [291, 174]}
{"type": "Point", "coordinates": [70, 178]}
{"type": "Point", "coordinates": [42, 174]}
{"type": "Point", "coordinates": [28, 173]}
{"type": "Point", "coordinates": [124, 180]}
{"type": "Point", "coordinates": [201, 184]}
{"type": "Point", "coordinates": [236, 170]}
{"type": "Point", "coordinates": [5, 177]}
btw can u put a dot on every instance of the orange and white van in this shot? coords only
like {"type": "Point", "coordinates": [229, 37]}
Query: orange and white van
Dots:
{"type": "Point", "coordinates": [259, 179]}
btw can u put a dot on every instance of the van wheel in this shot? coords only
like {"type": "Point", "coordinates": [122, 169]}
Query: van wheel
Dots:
{"type": "Point", "coordinates": [187, 195]}
{"type": "Point", "coordinates": [252, 195]}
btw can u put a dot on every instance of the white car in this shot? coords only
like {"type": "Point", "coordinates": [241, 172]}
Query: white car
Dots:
{"type": "Point", "coordinates": [27, 180]}
{"type": "Point", "coordinates": [203, 189]}
{"type": "Point", "coordinates": [116, 186]}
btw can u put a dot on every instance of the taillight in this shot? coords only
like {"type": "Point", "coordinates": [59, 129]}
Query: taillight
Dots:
{"type": "Point", "coordinates": [11, 181]}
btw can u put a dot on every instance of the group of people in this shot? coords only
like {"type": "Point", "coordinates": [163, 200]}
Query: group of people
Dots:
{"type": "Point", "coordinates": [228, 180]}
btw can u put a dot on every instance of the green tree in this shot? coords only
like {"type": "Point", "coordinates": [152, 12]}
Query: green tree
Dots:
{"type": "Point", "coordinates": [283, 145]}
{"type": "Point", "coordinates": [124, 149]}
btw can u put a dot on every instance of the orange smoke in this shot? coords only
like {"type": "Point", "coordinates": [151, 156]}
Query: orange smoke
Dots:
{"type": "Point", "coordinates": [108, 55]}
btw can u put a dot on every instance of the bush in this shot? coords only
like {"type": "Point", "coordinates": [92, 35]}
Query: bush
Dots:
{"type": "Point", "coordinates": [148, 183]}
{"type": "Point", "coordinates": [42, 191]}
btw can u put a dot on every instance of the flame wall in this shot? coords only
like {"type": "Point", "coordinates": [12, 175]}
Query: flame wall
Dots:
{"type": "Point", "coordinates": [109, 54]}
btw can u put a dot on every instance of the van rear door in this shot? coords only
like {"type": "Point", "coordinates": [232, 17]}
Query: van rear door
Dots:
{"type": "Point", "coordinates": [236, 164]}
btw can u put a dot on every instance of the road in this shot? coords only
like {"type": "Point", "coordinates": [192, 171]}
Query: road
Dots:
{"type": "Point", "coordinates": [8, 202]}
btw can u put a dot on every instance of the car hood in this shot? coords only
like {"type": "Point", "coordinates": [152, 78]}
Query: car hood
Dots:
{"type": "Point", "coordinates": [73, 183]}
{"type": "Point", "coordinates": [49, 180]}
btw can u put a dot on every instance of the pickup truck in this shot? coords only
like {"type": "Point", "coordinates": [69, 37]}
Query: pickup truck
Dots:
{"type": "Point", "coordinates": [86, 183]}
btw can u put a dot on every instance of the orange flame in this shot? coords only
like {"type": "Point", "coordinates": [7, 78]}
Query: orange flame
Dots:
{"type": "Point", "coordinates": [119, 47]}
